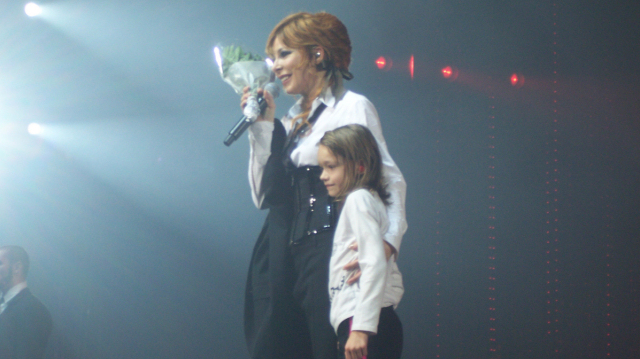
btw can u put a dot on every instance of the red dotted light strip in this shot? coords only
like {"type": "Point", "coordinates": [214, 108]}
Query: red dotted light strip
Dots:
{"type": "Point", "coordinates": [551, 231]}
{"type": "Point", "coordinates": [438, 249]}
{"type": "Point", "coordinates": [491, 213]}
{"type": "Point", "coordinates": [609, 257]}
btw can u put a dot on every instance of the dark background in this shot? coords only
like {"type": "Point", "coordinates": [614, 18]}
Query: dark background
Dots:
{"type": "Point", "coordinates": [522, 201]}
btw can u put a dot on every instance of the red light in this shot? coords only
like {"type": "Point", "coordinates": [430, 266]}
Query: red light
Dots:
{"type": "Point", "coordinates": [450, 73]}
{"type": "Point", "coordinates": [411, 66]}
{"type": "Point", "coordinates": [384, 63]}
{"type": "Point", "coordinates": [514, 79]}
{"type": "Point", "coordinates": [447, 72]}
{"type": "Point", "coordinates": [517, 80]}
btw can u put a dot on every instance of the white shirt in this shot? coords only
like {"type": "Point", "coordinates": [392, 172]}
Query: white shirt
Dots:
{"type": "Point", "coordinates": [363, 219]}
{"type": "Point", "coordinates": [12, 293]}
{"type": "Point", "coordinates": [344, 108]}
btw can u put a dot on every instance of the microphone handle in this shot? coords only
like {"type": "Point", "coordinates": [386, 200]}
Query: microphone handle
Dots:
{"type": "Point", "coordinates": [243, 124]}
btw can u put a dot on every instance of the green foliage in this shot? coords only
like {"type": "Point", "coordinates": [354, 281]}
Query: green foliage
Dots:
{"type": "Point", "coordinates": [232, 54]}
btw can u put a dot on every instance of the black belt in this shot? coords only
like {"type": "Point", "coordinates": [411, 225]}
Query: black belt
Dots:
{"type": "Point", "coordinates": [313, 208]}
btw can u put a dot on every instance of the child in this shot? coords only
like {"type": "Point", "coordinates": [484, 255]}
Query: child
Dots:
{"type": "Point", "coordinates": [362, 314]}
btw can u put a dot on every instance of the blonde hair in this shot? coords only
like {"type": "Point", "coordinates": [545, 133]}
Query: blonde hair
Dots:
{"type": "Point", "coordinates": [304, 31]}
{"type": "Point", "coordinates": [355, 146]}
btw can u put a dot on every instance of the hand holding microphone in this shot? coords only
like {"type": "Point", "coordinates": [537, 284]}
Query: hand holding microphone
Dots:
{"type": "Point", "coordinates": [266, 111]}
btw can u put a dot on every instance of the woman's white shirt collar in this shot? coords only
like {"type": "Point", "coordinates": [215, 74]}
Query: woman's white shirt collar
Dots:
{"type": "Point", "coordinates": [330, 97]}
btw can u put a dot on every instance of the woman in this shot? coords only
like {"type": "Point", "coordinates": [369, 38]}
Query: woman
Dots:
{"type": "Point", "coordinates": [287, 304]}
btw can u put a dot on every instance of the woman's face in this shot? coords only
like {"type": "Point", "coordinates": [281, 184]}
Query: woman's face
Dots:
{"type": "Point", "coordinates": [288, 65]}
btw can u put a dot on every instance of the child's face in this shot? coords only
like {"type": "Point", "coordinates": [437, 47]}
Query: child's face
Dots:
{"type": "Point", "coordinates": [332, 171]}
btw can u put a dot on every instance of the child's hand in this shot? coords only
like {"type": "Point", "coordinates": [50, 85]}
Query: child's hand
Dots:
{"type": "Point", "coordinates": [356, 346]}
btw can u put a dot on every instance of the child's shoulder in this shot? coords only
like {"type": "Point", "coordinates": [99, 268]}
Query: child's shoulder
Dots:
{"type": "Point", "coordinates": [363, 203]}
{"type": "Point", "coordinates": [362, 197]}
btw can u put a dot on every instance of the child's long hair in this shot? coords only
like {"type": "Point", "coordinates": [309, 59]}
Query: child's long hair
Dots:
{"type": "Point", "coordinates": [355, 146]}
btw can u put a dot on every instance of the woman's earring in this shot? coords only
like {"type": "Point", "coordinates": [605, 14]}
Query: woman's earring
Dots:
{"type": "Point", "coordinates": [361, 169]}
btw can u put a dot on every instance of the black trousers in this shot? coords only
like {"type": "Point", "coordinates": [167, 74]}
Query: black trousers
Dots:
{"type": "Point", "coordinates": [287, 297]}
{"type": "Point", "coordinates": [387, 344]}
{"type": "Point", "coordinates": [310, 260]}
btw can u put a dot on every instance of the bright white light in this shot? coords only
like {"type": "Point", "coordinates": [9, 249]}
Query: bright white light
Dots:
{"type": "Point", "coordinates": [32, 9]}
{"type": "Point", "coordinates": [216, 52]}
{"type": "Point", "coordinates": [34, 129]}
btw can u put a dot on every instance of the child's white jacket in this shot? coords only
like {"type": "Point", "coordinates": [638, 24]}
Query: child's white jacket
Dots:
{"type": "Point", "coordinates": [363, 219]}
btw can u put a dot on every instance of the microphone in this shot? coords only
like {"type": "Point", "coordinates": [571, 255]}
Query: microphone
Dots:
{"type": "Point", "coordinates": [246, 121]}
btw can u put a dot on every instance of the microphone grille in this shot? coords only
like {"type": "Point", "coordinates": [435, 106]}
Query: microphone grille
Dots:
{"type": "Point", "coordinates": [273, 89]}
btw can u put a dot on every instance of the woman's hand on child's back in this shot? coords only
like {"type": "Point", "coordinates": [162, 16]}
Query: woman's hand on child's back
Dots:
{"type": "Point", "coordinates": [356, 346]}
{"type": "Point", "coordinates": [355, 265]}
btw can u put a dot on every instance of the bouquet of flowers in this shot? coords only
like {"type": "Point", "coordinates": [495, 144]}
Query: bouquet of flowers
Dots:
{"type": "Point", "coordinates": [240, 68]}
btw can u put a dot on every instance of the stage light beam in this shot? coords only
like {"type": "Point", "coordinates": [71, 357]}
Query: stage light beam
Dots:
{"type": "Point", "coordinates": [32, 9]}
{"type": "Point", "coordinates": [34, 129]}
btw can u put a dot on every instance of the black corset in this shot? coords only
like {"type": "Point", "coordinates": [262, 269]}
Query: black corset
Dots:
{"type": "Point", "coordinates": [313, 208]}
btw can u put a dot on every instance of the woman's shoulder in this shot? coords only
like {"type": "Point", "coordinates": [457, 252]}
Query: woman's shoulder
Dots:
{"type": "Point", "coordinates": [352, 98]}
{"type": "Point", "coordinates": [356, 108]}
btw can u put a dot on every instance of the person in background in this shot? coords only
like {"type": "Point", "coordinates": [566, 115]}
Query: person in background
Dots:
{"type": "Point", "coordinates": [25, 323]}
